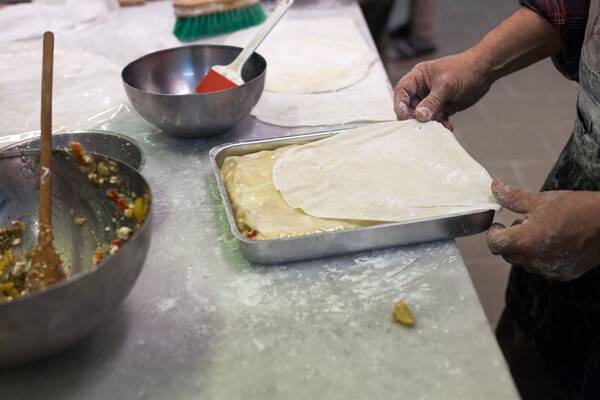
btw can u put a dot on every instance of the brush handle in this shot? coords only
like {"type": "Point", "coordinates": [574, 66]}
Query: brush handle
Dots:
{"type": "Point", "coordinates": [275, 16]}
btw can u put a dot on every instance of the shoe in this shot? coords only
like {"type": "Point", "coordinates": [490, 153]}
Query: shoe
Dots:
{"type": "Point", "coordinates": [410, 48]}
{"type": "Point", "coordinates": [400, 32]}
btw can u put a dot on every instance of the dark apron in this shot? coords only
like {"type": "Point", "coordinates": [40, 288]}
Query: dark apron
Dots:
{"type": "Point", "coordinates": [562, 319]}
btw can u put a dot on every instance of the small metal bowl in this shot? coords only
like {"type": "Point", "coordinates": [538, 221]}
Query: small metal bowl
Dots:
{"type": "Point", "coordinates": [111, 144]}
{"type": "Point", "coordinates": [40, 324]}
{"type": "Point", "coordinates": [161, 87]}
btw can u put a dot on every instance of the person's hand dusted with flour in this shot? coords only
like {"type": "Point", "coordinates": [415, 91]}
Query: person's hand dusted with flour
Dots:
{"type": "Point", "coordinates": [553, 297]}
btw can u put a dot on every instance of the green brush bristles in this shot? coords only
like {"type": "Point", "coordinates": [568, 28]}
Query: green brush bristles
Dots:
{"type": "Point", "coordinates": [190, 28]}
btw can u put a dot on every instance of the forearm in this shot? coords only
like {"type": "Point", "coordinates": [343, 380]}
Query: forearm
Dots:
{"type": "Point", "coordinates": [521, 40]}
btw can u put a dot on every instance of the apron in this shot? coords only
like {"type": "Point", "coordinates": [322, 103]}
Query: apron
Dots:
{"type": "Point", "coordinates": [562, 319]}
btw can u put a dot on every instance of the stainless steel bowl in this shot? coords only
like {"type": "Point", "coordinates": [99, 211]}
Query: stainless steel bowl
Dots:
{"type": "Point", "coordinates": [111, 144]}
{"type": "Point", "coordinates": [40, 324]}
{"type": "Point", "coordinates": [161, 87]}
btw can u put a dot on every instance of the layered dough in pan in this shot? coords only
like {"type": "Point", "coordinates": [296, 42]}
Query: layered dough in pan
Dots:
{"type": "Point", "coordinates": [389, 172]}
{"type": "Point", "coordinates": [259, 210]}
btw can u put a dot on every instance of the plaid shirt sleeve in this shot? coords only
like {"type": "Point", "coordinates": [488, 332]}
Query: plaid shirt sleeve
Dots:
{"type": "Point", "coordinates": [569, 17]}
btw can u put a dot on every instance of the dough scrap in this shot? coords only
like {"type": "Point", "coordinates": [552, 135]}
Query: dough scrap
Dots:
{"type": "Point", "coordinates": [391, 171]}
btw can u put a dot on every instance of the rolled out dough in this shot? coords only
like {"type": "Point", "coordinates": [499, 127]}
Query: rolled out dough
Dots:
{"type": "Point", "coordinates": [301, 57]}
{"type": "Point", "coordinates": [391, 171]}
{"type": "Point", "coordinates": [87, 88]}
{"type": "Point", "coordinates": [315, 81]}
{"type": "Point", "coordinates": [368, 101]}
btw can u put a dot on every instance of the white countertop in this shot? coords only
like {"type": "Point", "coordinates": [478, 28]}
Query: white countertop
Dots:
{"type": "Point", "coordinates": [203, 322]}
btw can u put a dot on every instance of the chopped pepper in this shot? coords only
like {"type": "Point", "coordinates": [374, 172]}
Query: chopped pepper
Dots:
{"type": "Point", "coordinates": [78, 152]}
{"type": "Point", "coordinates": [403, 314]}
{"type": "Point", "coordinates": [139, 210]}
{"type": "Point", "coordinates": [114, 196]}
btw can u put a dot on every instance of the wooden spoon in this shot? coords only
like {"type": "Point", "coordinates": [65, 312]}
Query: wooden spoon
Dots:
{"type": "Point", "coordinates": [45, 269]}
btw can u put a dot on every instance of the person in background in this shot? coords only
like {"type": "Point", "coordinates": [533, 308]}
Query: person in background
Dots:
{"type": "Point", "coordinates": [550, 329]}
{"type": "Point", "coordinates": [417, 35]}
{"type": "Point", "coordinates": [376, 13]}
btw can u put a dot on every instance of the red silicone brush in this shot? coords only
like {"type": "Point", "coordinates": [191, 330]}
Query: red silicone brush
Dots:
{"type": "Point", "coordinates": [221, 77]}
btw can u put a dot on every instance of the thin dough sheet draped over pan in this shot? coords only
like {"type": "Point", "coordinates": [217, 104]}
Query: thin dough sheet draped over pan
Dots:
{"type": "Point", "coordinates": [392, 171]}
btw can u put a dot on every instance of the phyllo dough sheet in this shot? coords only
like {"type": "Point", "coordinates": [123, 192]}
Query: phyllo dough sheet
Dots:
{"type": "Point", "coordinates": [320, 71]}
{"type": "Point", "coordinates": [389, 172]}
{"type": "Point", "coordinates": [392, 171]}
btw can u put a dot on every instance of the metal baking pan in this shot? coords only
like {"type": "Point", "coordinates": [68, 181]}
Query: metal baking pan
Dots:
{"type": "Point", "coordinates": [344, 241]}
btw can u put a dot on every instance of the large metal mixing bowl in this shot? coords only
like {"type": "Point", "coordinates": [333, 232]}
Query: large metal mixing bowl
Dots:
{"type": "Point", "coordinates": [161, 87]}
{"type": "Point", "coordinates": [111, 144]}
{"type": "Point", "coordinates": [44, 323]}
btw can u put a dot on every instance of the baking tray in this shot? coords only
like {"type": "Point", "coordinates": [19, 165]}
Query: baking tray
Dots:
{"type": "Point", "coordinates": [337, 242]}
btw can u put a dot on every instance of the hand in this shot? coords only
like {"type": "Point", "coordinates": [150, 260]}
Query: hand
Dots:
{"type": "Point", "coordinates": [559, 237]}
{"type": "Point", "coordinates": [435, 90]}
